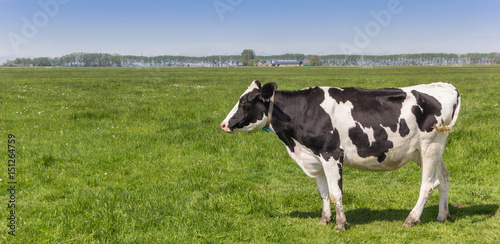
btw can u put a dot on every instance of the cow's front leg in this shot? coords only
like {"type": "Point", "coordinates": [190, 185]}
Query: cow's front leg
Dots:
{"type": "Point", "coordinates": [324, 193]}
{"type": "Point", "coordinates": [333, 173]}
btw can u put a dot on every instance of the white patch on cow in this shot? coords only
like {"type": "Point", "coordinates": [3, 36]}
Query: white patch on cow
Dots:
{"type": "Point", "coordinates": [341, 123]}
{"type": "Point", "coordinates": [232, 112]}
{"type": "Point", "coordinates": [403, 151]}
{"type": "Point", "coordinates": [257, 125]}
{"type": "Point", "coordinates": [371, 134]}
{"type": "Point", "coordinates": [306, 159]}
{"type": "Point", "coordinates": [306, 88]}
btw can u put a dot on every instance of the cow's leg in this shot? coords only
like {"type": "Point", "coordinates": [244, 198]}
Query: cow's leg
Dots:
{"type": "Point", "coordinates": [431, 167]}
{"type": "Point", "coordinates": [444, 176]}
{"type": "Point", "coordinates": [333, 173]}
{"type": "Point", "coordinates": [326, 213]}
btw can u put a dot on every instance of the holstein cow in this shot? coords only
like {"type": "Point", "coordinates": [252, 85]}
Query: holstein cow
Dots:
{"type": "Point", "coordinates": [326, 128]}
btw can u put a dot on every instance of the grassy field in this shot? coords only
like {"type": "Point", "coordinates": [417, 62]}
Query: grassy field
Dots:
{"type": "Point", "coordinates": [125, 155]}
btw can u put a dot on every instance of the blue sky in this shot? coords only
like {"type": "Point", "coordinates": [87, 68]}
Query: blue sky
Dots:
{"type": "Point", "coordinates": [35, 28]}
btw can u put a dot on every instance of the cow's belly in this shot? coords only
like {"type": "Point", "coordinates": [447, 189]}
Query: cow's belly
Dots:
{"type": "Point", "coordinates": [306, 159]}
{"type": "Point", "coordinates": [404, 151]}
{"type": "Point", "coordinates": [396, 158]}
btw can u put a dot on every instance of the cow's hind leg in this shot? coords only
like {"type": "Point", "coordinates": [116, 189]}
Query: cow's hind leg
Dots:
{"type": "Point", "coordinates": [444, 176]}
{"type": "Point", "coordinates": [333, 173]}
{"type": "Point", "coordinates": [324, 193]}
{"type": "Point", "coordinates": [432, 165]}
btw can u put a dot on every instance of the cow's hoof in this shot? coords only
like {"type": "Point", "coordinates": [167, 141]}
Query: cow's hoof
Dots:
{"type": "Point", "coordinates": [324, 221]}
{"type": "Point", "coordinates": [340, 228]}
{"type": "Point", "coordinates": [442, 219]}
{"type": "Point", "coordinates": [410, 222]}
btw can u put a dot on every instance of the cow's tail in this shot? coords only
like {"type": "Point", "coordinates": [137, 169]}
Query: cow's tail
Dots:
{"type": "Point", "coordinates": [446, 128]}
{"type": "Point", "coordinates": [456, 110]}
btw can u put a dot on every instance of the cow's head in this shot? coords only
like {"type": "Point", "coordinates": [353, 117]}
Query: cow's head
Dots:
{"type": "Point", "coordinates": [250, 112]}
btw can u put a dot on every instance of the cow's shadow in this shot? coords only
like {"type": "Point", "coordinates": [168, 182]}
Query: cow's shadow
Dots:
{"type": "Point", "coordinates": [365, 215]}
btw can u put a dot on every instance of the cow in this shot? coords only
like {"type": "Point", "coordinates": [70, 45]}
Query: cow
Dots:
{"type": "Point", "coordinates": [327, 128]}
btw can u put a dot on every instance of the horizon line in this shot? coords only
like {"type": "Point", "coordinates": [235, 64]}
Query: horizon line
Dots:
{"type": "Point", "coordinates": [266, 55]}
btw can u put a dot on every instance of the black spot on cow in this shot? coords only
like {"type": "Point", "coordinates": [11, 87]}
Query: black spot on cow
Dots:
{"type": "Point", "coordinates": [403, 128]}
{"type": "Point", "coordinates": [277, 113]}
{"type": "Point", "coordinates": [373, 109]}
{"type": "Point", "coordinates": [426, 110]}
{"type": "Point", "coordinates": [378, 148]}
{"type": "Point", "coordinates": [332, 146]}
{"type": "Point", "coordinates": [316, 134]}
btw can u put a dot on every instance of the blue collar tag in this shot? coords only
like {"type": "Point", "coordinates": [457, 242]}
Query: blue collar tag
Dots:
{"type": "Point", "coordinates": [266, 129]}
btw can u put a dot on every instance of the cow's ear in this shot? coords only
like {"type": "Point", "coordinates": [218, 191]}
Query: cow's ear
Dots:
{"type": "Point", "coordinates": [257, 83]}
{"type": "Point", "coordinates": [268, 89]}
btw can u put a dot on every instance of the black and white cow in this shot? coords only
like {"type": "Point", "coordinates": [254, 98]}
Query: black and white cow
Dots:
{"type": "Point", "coordinates": [325, 128]}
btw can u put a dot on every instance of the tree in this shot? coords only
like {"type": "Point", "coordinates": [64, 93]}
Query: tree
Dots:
{"type": "Point", "coordinates": [247, 57]}
{"type": "Point", "coordinates": [314, 60]}
{"type": "Point", "coordinates": [43, 61]}
{"type": "Point", "coordinates": [494, 58]}
{"type": "Point", "coordinates": [23, 61]}
{"type": "Point", "coordinates": [256, 61]}
{"type": "Point", "coordinates": [7, 63]}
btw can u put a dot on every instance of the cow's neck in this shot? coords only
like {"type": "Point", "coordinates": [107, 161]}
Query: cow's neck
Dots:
{"type": "Point", "coordinates": [299, 116]}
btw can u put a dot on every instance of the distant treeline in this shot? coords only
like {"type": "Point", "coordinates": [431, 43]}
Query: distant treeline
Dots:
{"type": "Point", "coordinates": [115, 60]}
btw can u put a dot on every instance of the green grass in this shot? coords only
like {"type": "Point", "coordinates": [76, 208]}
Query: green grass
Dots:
{"type": "Point", "coordinates": [124, 155]}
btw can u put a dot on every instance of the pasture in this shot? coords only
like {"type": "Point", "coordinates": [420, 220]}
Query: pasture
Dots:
{"type": "Point", "coordinates": [125, 155]}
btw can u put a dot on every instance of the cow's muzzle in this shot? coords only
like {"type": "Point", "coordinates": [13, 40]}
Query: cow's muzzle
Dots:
{"type": "Point", "coordinates": [225, 128]}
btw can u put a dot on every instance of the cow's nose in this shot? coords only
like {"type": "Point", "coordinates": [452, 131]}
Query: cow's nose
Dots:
{"type": "Point", "coordinates": [224, 127]}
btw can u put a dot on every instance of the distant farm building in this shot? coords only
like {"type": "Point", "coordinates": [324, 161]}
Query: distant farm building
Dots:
{"type": "Point", "coordinates": [286, 63]}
